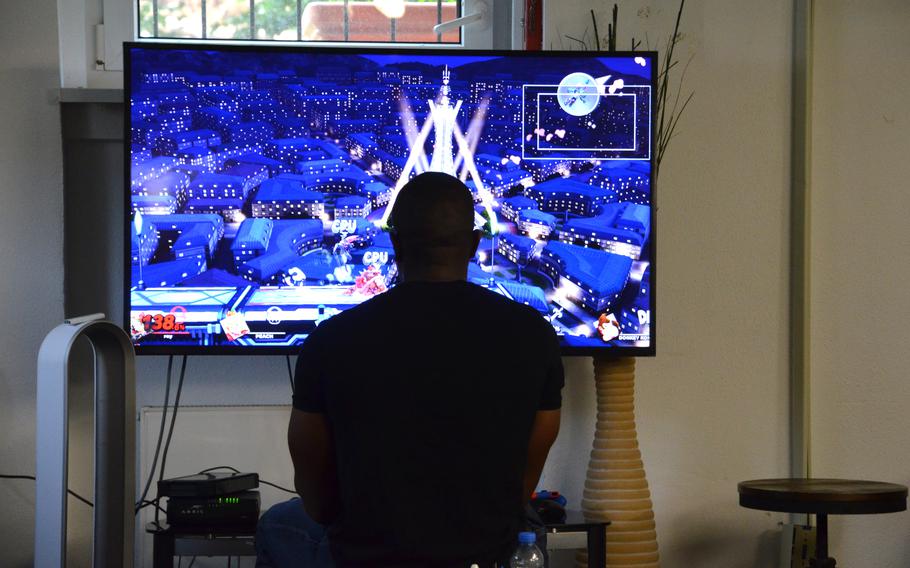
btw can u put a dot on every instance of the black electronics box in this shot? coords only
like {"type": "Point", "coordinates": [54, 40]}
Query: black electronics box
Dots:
{"type": "Point", "coordinates": [239, 509]}
{"type": "Point", "coordinates": [212, 484]}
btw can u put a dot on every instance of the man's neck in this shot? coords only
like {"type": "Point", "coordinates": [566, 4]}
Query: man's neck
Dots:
{"type": "Point", "coordinates": [435, 274]}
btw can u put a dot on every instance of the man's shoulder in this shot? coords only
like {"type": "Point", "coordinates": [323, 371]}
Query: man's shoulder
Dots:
{"type": "Point", "coordinates": [481, 300]}
{"type": "Point", "coordinates": [522, 320]}
{"type": "Point", "coordinates": [353, 317]}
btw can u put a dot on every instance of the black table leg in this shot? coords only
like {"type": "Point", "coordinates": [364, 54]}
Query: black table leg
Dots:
{"type": "Point", "coordinates": [597, 546]}
{"type": "Point", "coordinates": [821, 560]}
{"type": "Point", "coordinates": [163, 549]}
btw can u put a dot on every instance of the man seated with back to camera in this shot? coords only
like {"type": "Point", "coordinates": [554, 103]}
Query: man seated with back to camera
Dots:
{"type": "Point", "coordinates": [422, 417]}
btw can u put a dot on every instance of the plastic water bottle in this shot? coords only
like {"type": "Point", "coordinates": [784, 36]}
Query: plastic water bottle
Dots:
{"type": "Point", "coordinates": [527, 555]}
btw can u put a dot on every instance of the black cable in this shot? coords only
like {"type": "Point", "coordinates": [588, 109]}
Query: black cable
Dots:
{"type": "Point", "coordinates": [146, 503]}
{"type": "Point", "coordinates": [80, 497]}
{"type": "Point", "coordinates": [285, 489]}
{"type": "Point", "coordinates": [193, 561]}
{"type": "Point", "coordinates": [33, 478]}
{"type": "Point", "coordinates": [170, 432]}
{"type": "Point", "coordinates": [234, 469]}
{"type": "Point", "coordinates": [153, 503]}
{"type": "Point", "coordinates": [287, 358]}
{"type": "Point", "coordinates": [167, 394]}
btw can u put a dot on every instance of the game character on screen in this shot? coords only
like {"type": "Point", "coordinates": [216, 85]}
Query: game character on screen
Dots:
{"type": "Point", "coordinates": [608, 327]}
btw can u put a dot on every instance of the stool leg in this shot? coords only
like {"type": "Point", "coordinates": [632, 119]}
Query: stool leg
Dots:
{"type": "Point", "coordinates": [597, 546]}
{"type": "Point", "coordinates": [163, 549]}
{"type": "Point", "coordinates": [821, 560]}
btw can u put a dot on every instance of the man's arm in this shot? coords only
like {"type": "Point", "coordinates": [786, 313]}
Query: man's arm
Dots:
{"type": "Point", "coordinates": [543, 434]}
{"type": "Point", "coordinates": [315, 476]}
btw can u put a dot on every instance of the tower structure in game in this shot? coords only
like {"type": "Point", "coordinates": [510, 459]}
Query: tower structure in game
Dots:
{"type": "Point", "coordinates": [443, 115]}
{"type": "Point", "coordinates": [453, 153]}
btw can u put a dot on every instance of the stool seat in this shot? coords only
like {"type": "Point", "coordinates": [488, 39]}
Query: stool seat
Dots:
{"type": "Point", "coordinates": [823, 496]}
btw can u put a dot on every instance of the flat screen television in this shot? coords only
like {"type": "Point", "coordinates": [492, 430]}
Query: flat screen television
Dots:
{"type": "Point", "coordinates": [259, 180]}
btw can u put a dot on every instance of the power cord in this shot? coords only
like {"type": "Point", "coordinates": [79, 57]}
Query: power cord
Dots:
{"type": "Point", "coordinates": [33, 478]}
{"type": "Point", "coordinates": [167, 394]}
{"type": "Point", "coordinates": [152, 503]}
{"type": "Point", "coordinates": [170, 432]}
{"type": "Point", "coordinates": [285, 489]}
{"type": "Point", "coordinates": [217, 467]}
{"type": "Point", "coordinates": [262, 481]}
{"type": "Point", "coordinates": [143, 501]}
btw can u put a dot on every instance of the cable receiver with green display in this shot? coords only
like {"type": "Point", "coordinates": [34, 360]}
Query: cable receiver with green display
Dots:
{"type": "Point", "coordinates": [211, 499]}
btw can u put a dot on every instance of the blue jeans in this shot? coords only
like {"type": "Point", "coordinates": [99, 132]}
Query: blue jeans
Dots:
{"type": "Point", "coordinates": [287, 537]}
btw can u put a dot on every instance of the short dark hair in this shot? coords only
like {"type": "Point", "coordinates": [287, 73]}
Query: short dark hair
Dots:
{"type": "Point", "coordinates": [433, 209]}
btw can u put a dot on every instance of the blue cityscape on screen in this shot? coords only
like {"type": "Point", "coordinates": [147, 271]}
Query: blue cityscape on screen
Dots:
{"type": "Point", "coordinates": [260, 182]}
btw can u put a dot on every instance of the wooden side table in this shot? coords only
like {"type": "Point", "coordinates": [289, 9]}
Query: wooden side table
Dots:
{"type": "Point", "coordinates": [170, 542]}
{"type": "Point", "coordinates": [577, 533]}
{"type": "Point", "coordinates": [823, 497]}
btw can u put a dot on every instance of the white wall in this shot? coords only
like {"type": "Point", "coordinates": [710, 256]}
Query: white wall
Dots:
{"type": "Point", "coordinates": [31, 247]}
{"type": "Point", "coordinates": [861, 264]}
{"type": "Point", "coordinates": [712, 406]}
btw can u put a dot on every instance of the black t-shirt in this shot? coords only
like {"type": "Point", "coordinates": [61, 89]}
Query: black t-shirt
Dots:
{"type": "Point", "coordinates": [430, 390]}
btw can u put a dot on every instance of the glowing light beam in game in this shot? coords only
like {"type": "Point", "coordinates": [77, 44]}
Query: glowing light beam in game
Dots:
{"type": "Point", "coordinates": [442, 121]}
{"type": "Point", "coordinates": [409, 123]}
{"type": "Point", "coordinates": [413, 158]}
{"type": "Point", "coordinates": [475, 127]}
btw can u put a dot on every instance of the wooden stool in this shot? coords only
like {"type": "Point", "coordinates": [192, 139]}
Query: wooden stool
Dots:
{"type": "Point", "coordinates": [823, 497]}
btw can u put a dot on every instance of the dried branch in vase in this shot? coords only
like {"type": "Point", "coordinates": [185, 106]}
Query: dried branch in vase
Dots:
{"type": "Point", "coordinates": [670, 101]}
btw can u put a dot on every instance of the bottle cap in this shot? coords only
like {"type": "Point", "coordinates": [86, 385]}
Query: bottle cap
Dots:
{"type": "Point", "coordinates": [527, 538]}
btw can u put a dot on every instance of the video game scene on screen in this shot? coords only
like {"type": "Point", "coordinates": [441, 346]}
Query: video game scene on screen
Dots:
{"type": "Point", "coordinates": [260, 183]}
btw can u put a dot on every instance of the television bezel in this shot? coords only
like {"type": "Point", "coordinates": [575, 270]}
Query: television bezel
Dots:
{"type": "Point", "coordinates": [566, 350]}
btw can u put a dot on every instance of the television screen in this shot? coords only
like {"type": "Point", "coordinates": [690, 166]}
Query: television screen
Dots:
{"type": "Point", "coordinates": [260, 179]}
